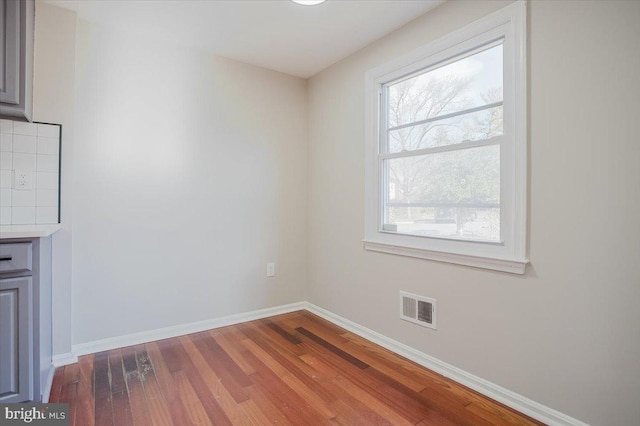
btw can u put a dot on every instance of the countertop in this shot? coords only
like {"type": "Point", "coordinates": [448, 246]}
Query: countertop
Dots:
{"type": "Point", "coordinates": [28, 231]}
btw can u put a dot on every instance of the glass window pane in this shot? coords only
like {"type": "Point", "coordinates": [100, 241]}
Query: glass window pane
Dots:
{"type": "Point", "coordinates": [475, 126]}
{"type": "Point", "coordinates": [449, 195]}
{"type": "Point", "coordinates": [470, 82]}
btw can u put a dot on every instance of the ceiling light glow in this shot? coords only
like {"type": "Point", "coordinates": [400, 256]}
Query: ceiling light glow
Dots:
{"type": "Point", "coordinates": [308, 2]}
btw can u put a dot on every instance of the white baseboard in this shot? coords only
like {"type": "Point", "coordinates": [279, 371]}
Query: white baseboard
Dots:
{"type": "Point", "coordinates": [63, 359]}
{"type": "Point", "coordinates": [511, 399]}
{"type": "Point", "coordinates": [47, 387]}
{"type": "Point", "coordinates": [180, 330]}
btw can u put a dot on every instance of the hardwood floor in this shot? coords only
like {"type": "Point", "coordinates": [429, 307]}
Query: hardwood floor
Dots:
{"type": "Point", "coordinates": [293, 369]}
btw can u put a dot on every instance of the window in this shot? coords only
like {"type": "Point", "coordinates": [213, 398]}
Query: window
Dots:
{"type": "Point", "coordinates": [446, 148]}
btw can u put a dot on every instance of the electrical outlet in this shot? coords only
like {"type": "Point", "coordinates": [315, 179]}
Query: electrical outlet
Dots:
{"type": "Point", "coordinates": [22, 179]}
{"type": "Point", "coordinates": [271, 269]}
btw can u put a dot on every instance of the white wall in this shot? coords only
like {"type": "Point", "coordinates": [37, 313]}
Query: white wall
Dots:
{"type": "Point", "coordinates": [565, 334]}
{"type": "Point", "coordinates": [190, 175]}
{"type": "Point", "coordinates": [53, 102]}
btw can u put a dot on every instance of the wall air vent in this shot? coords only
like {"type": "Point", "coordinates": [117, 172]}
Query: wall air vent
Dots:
{"type": "Point", "coordinates": [418, 309]}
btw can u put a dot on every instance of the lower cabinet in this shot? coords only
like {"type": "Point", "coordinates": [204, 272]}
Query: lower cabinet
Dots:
{"type": "Point", "coordinates": [25, 318]}
{"type": "Point", "coordinates": [16, 331]}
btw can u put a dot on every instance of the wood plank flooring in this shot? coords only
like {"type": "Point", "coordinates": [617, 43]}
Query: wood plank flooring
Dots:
{"type": "Point", "coordinates": [293, 369]}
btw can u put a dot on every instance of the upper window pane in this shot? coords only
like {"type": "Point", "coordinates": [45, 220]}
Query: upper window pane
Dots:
{"type": "Point", "coordinates": [470, 82]}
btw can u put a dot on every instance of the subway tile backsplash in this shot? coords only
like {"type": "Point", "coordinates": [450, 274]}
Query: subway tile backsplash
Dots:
{"type": "Point", "coordinates": [33, 148]}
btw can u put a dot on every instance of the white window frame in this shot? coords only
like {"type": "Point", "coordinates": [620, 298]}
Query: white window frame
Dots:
{"type": "Point", "coordinates": [509, 255]}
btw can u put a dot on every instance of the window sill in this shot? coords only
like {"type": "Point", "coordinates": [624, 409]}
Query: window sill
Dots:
{"type": "Point", "coordinates": [512, 266]}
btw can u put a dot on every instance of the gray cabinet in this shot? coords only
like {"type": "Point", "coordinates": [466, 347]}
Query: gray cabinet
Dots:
{"type": "Point", "coordinates": [16, 367]}
{"type": "Point", "coordinates": [25, 318]}
{"type": "Point", "coordinates": [16, 56]}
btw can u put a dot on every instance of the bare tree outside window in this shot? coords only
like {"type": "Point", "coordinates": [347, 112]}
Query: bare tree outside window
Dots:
{"type": "Point", "coordinates": [444, 127]}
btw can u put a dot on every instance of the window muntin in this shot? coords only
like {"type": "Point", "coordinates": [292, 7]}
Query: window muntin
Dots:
{"type": "Point", "coordinates": [440, 149]}
{"type": "Point", "coordinates": [451, 130]}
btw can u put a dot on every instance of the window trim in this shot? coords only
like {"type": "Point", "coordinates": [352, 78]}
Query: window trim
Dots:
{"type": "Point", "coordinates": [509, 255]}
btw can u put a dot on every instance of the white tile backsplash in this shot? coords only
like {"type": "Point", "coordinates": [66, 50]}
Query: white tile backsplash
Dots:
{"type": "Point", "coordinates": [5, 215]}
{"type": "Point", "coordinates": [5, 197]}
{"type": "Point", "coordinates": [26, 144]}
{"type": "Point", "coordinates": [6, 126]}
{"type": "Point", "coordinates": [23, 215]}
{"type": "Point", "coordinates": [46, 180]}
{"type": "Point", "coordinates": [46, 198]}
{"type": "Point", "coordinates": [23, 198]}
{"type": "Point", "coordinates": [24, 161]}
{"type": "Point", "coordinates": [49, 130]}
{"type": "Point", "coordinates": [50, 146]}
{"type": "Point", "coordinates": [6, 178]}
{"type": "Point", "coordinates": [47, 163]}
{"type": "Point", "coordinates": [46, 215]}
{"type": "Point", "coordinates": [35, 148]}
{"type": "Point", "coordinates": [22, 128]}
{"type": "Point", "coordinates": [6, 142]}
{"type": "Point", "coordinates": [6, 160]}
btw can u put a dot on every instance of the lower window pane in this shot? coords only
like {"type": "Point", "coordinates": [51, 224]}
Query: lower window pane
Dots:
{"type": "Point", "coordinates": [447, 195]}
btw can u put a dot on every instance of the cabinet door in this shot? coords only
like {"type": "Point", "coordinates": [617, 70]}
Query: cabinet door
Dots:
{"type": "Point", "coordinates": [10, 48]}
{"type": "Point", "coordinates": [16, 58]}
{"type": "Point", "coordinates": [16, 366]}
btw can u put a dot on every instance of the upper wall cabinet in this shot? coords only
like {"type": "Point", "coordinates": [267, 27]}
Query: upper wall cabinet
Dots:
{"type": "Point", "coordinates": [16, 54]}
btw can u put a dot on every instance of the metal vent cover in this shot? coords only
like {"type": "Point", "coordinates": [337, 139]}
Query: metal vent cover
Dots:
{"type": "Point", "coordinates": [419, 310]}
